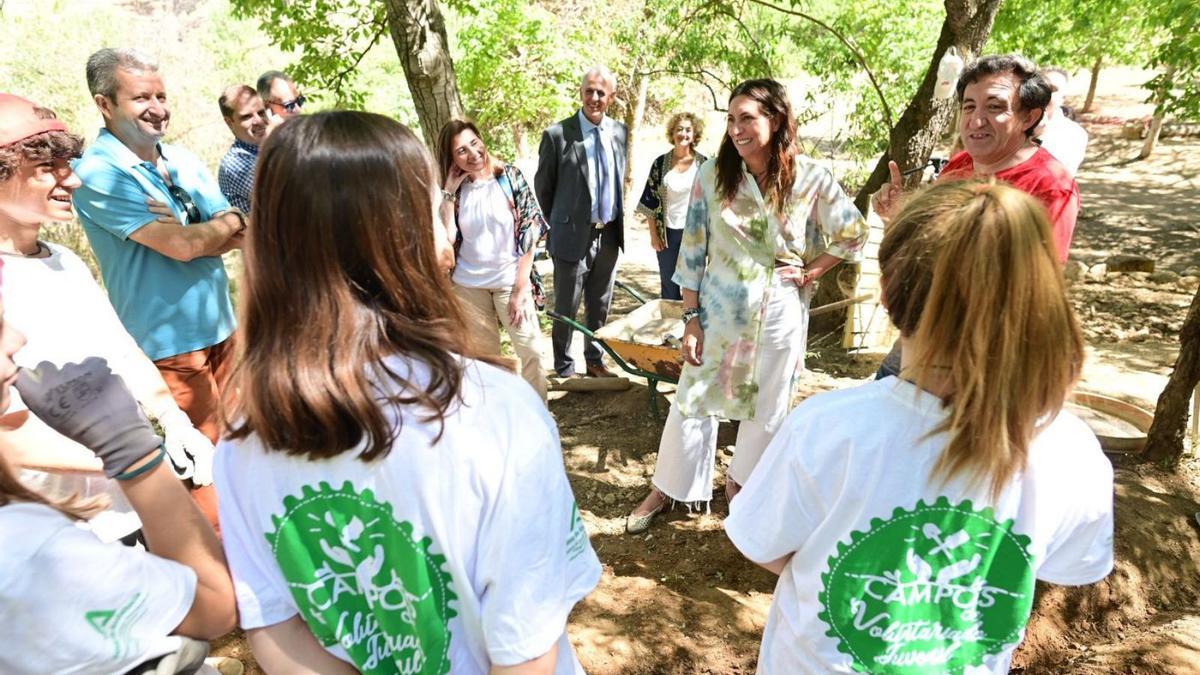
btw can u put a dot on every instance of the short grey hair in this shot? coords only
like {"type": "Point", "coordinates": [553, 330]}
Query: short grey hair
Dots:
{"type": "Point", "coordinates": [102, 68]}
{"type": "Point", "coordinates": [604, 73]}
{"type": "Point", "coordinates": [267, 79]}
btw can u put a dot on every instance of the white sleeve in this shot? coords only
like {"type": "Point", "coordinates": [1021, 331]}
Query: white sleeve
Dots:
{"type": "Point", "coordinates": [113, 341]}
{"type": "Point", "coordinates": [127, 599]}
{"type": "Point", "coordinates": [769, 519]}
{"type": "Point", "coordinates": [535, 558]}
{"type": "Point", "coordinates": [263, 595]}
{"type": "Point", "coordinates": [1082, 549]}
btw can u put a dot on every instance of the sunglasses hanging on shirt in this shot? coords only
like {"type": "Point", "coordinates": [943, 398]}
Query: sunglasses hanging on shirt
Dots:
{"type": "Point", "coordinates": [184, 199]}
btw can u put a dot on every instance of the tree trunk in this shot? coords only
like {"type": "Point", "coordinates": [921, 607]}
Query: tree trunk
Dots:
{"type": "Point", "coordinates": [635, 113]}
{"type": "Point", "coordinates": [520, 141]}
{"type": "Point", "coordinates": [1164, 441]}
{"type": "Point", "coordinates": [1152, 133]}
{"type": "Point", "coordinates": [1091, 95]}
{"type": "Point", "coordinates": [419, 32]}
{"type": "Point", "coordinates": [1160, 113]}
{"type": "Point", "coordinates": [967, 26]}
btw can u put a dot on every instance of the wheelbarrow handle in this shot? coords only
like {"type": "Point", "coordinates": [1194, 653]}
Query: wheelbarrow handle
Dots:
{"type": "Point", "coordinates": [570, 322]}
{"type": "Point", "coordinates": [630, 290]}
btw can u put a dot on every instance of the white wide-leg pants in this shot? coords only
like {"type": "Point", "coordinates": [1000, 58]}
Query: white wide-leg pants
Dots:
{"type": "Point", "coordinates": [687, 451]}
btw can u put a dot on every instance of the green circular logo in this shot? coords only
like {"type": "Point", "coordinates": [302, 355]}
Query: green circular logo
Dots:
{"type": "Point", "coordinates": [933, 590]}
{"type": "Point", "coordinates": [363, 582]}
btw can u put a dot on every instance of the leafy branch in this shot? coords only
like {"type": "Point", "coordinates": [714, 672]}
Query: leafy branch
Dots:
{"type": "Point", "coordinates": [858, 55]}
{"type": "Point", "coordinates": [697, 76]}
{"type": "Point", "coordinates": [337, 82]}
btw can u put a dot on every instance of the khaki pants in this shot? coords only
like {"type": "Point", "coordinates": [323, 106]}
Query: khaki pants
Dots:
{"type": "Point", "coordinates": [197, 381]}
{"type": "Point", "coordinates": [485, 310]}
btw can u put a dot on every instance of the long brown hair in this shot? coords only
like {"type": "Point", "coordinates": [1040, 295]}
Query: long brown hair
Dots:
{"type": "Point", "coordinates": [341, 272]}
{"type": "Point", "coordinates": [772, 98]}
{"type": "Point", "coordinates": [970, 273]}
{"type": "Point", "coordinates": [13, 491]}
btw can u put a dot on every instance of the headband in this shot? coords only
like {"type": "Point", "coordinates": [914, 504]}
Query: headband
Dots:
{"type": "Point", "coordinates": [18, 120]}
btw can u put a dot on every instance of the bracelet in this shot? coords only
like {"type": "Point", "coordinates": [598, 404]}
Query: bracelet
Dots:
{"type": "Point", "coordinates": [130, 475]}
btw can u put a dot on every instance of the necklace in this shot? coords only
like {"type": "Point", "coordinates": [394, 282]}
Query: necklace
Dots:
{"type": "Point", "coordinates": [37, 253]}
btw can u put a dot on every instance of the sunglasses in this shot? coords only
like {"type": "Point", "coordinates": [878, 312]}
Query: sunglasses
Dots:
{"type": "Point", "coordinates": [292, 105]}
{"type": "Point", "coordinates": [185, 200]}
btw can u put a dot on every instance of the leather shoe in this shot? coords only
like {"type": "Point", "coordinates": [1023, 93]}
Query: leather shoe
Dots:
{"type": "Point", "coordinates": [597, 370]}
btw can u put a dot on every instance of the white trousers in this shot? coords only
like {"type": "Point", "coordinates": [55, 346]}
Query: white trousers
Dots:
{"type": "Point", "coordinates": [687, 451]}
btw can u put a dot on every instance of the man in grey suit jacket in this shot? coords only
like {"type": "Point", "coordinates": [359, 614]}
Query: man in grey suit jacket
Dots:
{"type": "Point", "coordinates": [581, 166]}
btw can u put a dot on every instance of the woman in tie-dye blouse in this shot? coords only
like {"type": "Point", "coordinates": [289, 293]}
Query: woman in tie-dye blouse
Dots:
{"type": "Point", "coordinates": [759, 216]}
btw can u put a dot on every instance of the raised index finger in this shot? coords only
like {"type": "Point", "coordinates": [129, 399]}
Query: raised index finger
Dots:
{"type": "Point", "coordinates": [894, 175]}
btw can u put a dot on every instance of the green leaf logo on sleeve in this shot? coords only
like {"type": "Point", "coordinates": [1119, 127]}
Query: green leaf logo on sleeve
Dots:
{"type": "Point", "coordinates": [577, 539]}
{"type": "Point", "coordinates": [116, 625]}
{"type": "Point", "coordinates": [362, 581]}
{"type": "Point", "coordinates": [936, 589]}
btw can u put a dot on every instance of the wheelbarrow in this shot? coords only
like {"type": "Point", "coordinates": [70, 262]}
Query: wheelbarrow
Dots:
{"type": "Point", "coordinates": [643, 343]}
{"type": "Point", "coordinates": [646, 342]}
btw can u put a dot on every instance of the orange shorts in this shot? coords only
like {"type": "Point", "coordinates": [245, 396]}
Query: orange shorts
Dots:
{"type": "Point", "coordinates": [197, 381]}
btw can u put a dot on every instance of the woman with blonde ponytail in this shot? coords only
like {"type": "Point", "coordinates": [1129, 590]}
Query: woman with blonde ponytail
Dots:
{"type": "Point", "coordinates": [909, 518]}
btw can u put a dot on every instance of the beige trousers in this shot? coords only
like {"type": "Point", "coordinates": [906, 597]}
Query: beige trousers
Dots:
{"type": "Point", "coordinates": [485, 310]}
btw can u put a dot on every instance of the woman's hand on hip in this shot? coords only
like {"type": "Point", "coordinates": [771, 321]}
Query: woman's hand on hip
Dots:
{"type": "Point", "coordinates": [693, 342]}
{"type": "Point", "coordinates": [796, 274]}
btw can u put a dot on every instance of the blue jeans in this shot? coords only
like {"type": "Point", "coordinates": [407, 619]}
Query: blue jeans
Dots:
{"type": "Point", "coordinates": [666, 265]}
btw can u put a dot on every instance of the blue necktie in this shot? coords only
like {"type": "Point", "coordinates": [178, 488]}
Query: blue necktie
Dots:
{"type": "Point", "coordinates": [603, 191]}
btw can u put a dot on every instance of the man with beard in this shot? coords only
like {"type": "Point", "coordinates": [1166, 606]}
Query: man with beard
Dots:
{"type": "Point", "coordinates": [158, 224]}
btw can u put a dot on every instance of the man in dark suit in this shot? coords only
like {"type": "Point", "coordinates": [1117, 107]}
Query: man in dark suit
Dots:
{"type": "Point", "coordinates": [581, 167]}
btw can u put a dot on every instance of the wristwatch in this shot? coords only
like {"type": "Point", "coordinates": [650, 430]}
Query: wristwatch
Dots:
{"type": "Point", "coordinates": [448, 196]}
{"type": "Point", "coordinates": [689, 314]}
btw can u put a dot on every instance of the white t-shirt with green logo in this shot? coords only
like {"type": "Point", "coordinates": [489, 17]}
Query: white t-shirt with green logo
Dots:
{"type": "Point", "coordinates": [70, 603]}
{"type": "Point", "coordinates": [438, 558]}
{"type": "Point", "coordinates": [891, 573]}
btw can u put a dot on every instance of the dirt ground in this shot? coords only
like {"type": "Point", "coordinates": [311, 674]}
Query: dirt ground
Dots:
{"type": "Point", "coordinates": [681, 600]}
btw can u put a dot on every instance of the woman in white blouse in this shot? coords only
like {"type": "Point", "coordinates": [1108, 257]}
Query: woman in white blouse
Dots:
{"type": "Point", "coordinates": [664, 200]}
{"type": "Point", "coordinates": [492, 216]}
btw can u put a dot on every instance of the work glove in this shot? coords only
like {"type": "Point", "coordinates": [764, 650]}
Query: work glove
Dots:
{"type": "Point", "coordinates": [190, 451]}
{"type": "Point", "coordinates": [89, 404]}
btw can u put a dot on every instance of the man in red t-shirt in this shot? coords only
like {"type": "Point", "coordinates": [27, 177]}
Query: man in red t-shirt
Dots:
{"type": "Point", "coordinates": [1002, 99]}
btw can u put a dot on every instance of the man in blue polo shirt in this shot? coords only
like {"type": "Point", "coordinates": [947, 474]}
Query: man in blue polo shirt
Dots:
{"type": "Point", "coordinates": [158, 224]}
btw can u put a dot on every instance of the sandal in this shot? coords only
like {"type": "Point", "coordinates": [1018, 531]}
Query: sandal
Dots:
{"type": "Point", "coordinates": [638, 524]}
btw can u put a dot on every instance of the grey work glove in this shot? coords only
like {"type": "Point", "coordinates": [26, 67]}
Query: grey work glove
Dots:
{"type": "Point", "coordinates": [89, 404]}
